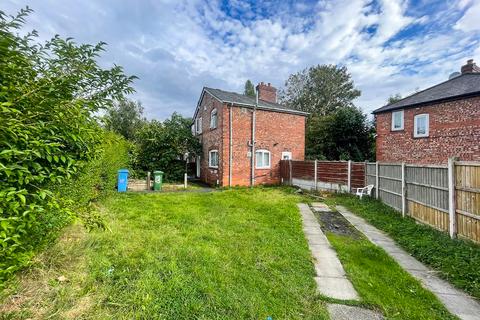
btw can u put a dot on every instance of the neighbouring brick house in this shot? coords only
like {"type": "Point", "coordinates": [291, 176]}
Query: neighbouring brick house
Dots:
{"type": "Point", "coordinates": [434, 124]}
{"type": "Point", "coordinates": [223, 122]}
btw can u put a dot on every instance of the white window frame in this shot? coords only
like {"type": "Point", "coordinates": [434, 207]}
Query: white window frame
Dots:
{"type": "Point", "coordinates": [213, 115]}
{"type": "Point", "coordinates": [427, 126]}
{"type": "Point", "coordinates": [262, 152]}
{"type": "Point", "coordinates": [288, 154]}
{"type": "Point", "coordinates": [198, 125]}
{"type": "Point", "coordinates": [210, 165]}
{"type": "Point", "coordinates": [401, 121]}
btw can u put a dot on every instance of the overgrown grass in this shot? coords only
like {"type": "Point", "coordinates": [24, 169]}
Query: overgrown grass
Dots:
{"type": "Point", "coordinates": [457, 261]}
{"type": "Point", "coordinates": [381, 282]}
{"type": "Point", "coordinates": [237, 254]}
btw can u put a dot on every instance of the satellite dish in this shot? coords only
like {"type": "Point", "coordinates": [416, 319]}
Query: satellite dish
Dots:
{"type": "Point", "coordinates": [453, 75]}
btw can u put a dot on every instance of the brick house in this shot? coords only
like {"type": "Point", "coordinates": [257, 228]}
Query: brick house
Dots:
{"type": "Point", "coordinates": [225, 122]}
{"type": "Point", "coordinates": [434, 124]}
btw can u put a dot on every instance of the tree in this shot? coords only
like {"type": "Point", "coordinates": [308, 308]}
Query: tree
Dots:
{"type": "Point", "coordinates": [249, 89]}
{"type": "Point", "coordinates": [345, 134]}
{"type": "Point", "coordinates": [319, 90]}
{"type": "Point", "coordinates": [162, 146]}
{"type": "Point", "coordinates": [394, 98]}
{"type": "Point", "coordinates": [125, 118]}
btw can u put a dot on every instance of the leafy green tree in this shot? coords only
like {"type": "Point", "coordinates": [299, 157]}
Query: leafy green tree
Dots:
{"type": "Point", "coordinates": [162, 146]}
{"type": "Point", "coordinates": [319, 90]}
{"type": "Point", "coordinates": [345, 134]}
{"type": "Point", "coordinates": [125, 118]}
{"type": "Point", "coordinates": [249, 89]}
{"type": "Point", "coordinates": [49, 96]}
{"type": "Point", "coordinates": [394, 98]}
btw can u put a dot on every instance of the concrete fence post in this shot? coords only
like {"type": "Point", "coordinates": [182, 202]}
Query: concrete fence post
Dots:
{"type": "Point", "coordinates": [349, 176]}
{"type": "Point", "coordinates": [315, 178]}
{"type": "Point", "coordinates": [148, 180]}
{"type": "Point", "coordinates": [377, 180]}
{"type": "Point", "coordinates": [404, 191]}
{"type": "Point", "coordinates": [452, 228]}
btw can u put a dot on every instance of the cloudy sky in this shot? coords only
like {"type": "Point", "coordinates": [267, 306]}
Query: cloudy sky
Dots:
{"type": "Point", "coordinates": [177, 47]}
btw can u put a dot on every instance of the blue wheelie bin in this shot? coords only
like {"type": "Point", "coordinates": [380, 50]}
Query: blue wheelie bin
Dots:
{"type": "Point", "coordinates": [122, 180]}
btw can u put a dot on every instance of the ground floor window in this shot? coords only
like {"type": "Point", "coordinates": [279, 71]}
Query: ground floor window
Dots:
{"type": "Point", "coordinates": [213, 158]}
{"type": "Point", "coordinates": [262, 159]}
{"type": "Point", "coordinates": [286, 155]}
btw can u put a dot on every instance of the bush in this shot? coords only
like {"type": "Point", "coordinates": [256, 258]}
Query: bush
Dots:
{"type": "Point", "coordinates": [49, 95]}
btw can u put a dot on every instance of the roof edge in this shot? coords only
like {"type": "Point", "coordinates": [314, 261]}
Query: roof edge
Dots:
{"type": "Point", "coordinates": [426, 103]}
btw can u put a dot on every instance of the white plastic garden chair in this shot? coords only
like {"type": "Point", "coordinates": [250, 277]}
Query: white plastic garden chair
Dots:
{"type": "Point", "coordinates": [365, 191]}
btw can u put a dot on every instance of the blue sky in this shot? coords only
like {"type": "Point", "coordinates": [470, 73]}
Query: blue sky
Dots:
{"type": "Point", "coordinates": [177, 47]}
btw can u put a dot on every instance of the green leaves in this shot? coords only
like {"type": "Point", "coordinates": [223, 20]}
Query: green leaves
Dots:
{"type": "Point", "coordinates": [48, 97]}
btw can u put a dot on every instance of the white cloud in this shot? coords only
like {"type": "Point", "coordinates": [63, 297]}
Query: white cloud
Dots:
{"type": "Point", "coordinates": [176, 47]}
{"type": "Point", "coordinates": [470, 20]}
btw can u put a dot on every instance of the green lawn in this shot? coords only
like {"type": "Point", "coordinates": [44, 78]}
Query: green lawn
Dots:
{"type": "Point", "coordinates": [457, 261]}
{"type": "Point", "coordinates": [237, 254]}
{"type": "Point", "coordinates": [230, 254]}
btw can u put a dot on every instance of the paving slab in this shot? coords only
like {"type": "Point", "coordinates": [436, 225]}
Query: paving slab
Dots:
{"type": "Point", "coordinates": [342, 312]}
{"type": "Point", "coordinates": [455, 300]}
{"type": "Point", "coordinates": [320, 207]}
{"type": "Point", "coordinates": [331, 278]}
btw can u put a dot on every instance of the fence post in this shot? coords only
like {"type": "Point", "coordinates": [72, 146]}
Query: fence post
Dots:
{"type": "Point", "coordinates": [290, 171]}
{"type": "Point", "coordinates": [349, 178]}
{"type": "Point", "coordinates": [148, 180]}
{"type": "Point", "coordinates": [316, 174]}
{"type": "Point", "coordinates": [404, 190]}
{"type": "Point", "coordinates": [451, 198]}
{"type": "Point", "coordinates": [376, 180]}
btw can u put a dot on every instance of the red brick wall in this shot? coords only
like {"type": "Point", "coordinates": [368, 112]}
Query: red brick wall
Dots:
{"type": "Point", "coordinates": [275, 132]}
{"type": "Point", "coordinates": [211, 139]}
{"type": "Point", "coordinates": [454, 131]}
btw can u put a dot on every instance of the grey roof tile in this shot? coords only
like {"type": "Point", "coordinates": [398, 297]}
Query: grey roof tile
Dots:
{"type": "Point", "coordinates": [241, 99]}
{"type": "Point", "coordinates": [465, 84]}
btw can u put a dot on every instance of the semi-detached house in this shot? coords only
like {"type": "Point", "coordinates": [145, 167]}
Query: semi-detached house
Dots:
{"type": "Point", "coordinates": [242, 141]}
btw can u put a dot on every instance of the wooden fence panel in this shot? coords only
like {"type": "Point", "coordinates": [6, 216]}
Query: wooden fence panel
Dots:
{"type": "Point", "coordinates": [358, 175]}
{"type": "Point", "coordinates": [467, 191]}
{"type": "Point", "coordinates": [370, 173]}
{"type": "Point", "coordinates": [390, 184]}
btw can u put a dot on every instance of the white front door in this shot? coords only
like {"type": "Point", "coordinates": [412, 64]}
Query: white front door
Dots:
{"type": "Point", "coordinates": [198, 166]}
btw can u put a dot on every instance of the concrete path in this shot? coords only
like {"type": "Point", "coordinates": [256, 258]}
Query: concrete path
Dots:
{"type": "Point", "coordinates": [456, 301]}
{"type": "Point", "coordinates": [343, 312]}
{"type": "Point", "coordinates": [331, 279]}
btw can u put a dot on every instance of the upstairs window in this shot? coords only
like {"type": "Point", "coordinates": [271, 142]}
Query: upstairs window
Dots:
{"type": "Point", "coordinates": [262, 159]}
{"type": "Point", "coordinates": [213, 159]}
{"type": "Point", "coordinates": [421, 126]}
{"type": "Point", "coordinates": [198, 125]}
{"type": "Point", "coordinates": [397, 120]}
{"type": "Point", "coordinates": [213, 119]}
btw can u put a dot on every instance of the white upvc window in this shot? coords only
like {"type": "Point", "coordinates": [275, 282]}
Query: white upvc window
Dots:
{"type": "Point", "coordinates": [421, 126]}
{"type": "Point", "coordinates": [262, 159]}
{"type": "Point", "coordinates": [198, 125]}
{"type": "Point", "coordinates": [286, 155]}
{"type": "Point", "coordinates": [213, 159]}
{"type": "Point", "coordinates": [397, 120]}
{"type": "Point", "coordinates": [213, 119]}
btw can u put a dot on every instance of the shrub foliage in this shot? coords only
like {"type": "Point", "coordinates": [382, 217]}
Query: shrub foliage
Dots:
{"type": "Point", "coordinates": [49, 95]}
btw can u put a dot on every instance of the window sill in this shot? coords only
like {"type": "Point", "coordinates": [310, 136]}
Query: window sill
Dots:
{"type": "Point", "coordinates": [210, 167]}
{"type": "Point", "coordinates": [420, 137]}
{"type": "Point", "coordinates": [397, 130]}
{"type": "Point", "coordinates": [262, 168]}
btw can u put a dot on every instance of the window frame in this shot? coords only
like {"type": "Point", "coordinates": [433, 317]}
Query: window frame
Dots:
{"type": "Point", "coordinates": [263, 151]}
{"type": "Point", "coordinates": [427, 125]}
{"type": "Point", "coordinates": [213, 113]}
{"type": "Point", "coordinates": [198, 125]}
{"type": "Point", "coordinates": [210, 159]}
{"type": "Point", "coordinates": [402, 126]}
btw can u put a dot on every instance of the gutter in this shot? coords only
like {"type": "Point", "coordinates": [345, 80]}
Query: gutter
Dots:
{"type": "Point", "coordinates": [230, 146]}
{"type": "Point", "coordinates": [252, 143]}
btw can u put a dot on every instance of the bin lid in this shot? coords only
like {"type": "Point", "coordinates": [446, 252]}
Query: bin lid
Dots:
{"type": "Point", "coordinates": [123, 171]}
{"type": "Point", "coordinates": [158, 171]}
